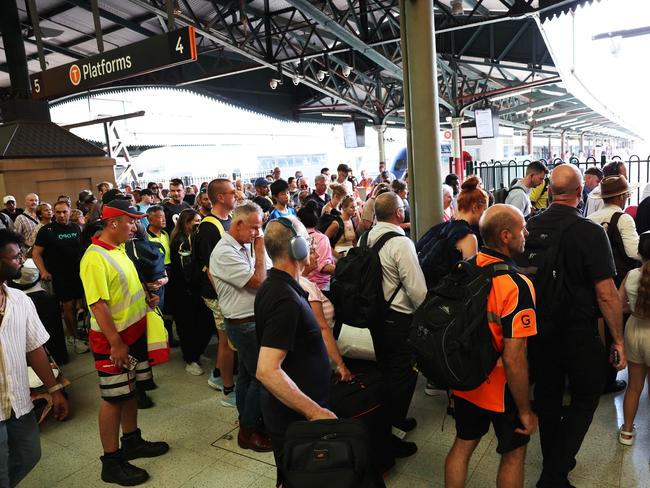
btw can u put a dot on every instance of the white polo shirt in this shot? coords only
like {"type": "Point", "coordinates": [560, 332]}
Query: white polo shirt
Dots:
{"type": "Point", "coordinates": [21, 331]}
{"type": "Point", "coordinates": [232, 265]}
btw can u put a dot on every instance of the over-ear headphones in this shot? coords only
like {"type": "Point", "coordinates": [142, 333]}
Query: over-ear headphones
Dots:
{"type": "Point", "coordinates": [298, 247]}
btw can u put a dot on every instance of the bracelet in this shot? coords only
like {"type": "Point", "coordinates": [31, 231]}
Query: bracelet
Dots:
{"type": "Point", "coordinates": [54, 388]}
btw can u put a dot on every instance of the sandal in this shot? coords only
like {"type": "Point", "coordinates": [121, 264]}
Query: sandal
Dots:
{"type": "Point", "coordinates": [626, 438]}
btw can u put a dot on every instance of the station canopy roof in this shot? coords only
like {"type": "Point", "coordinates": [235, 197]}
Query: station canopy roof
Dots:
{"type": "Point", "coordinates": [334, 59]}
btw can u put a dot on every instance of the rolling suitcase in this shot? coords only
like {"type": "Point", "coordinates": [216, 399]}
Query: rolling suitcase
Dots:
{"type": "Point", "coordinates": [363, 399]}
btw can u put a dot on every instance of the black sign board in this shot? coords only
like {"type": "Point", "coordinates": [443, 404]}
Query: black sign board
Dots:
{"type": "Point", "coordinates": [155, 53]}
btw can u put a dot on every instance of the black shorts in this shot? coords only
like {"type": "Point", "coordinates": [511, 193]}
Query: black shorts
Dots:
{"type": "Point", "coordinates": [117, 387]}
{"type": "Point", "coordinates": [67, 287]}
{"type": "Point", "coordinates": [473, 422]}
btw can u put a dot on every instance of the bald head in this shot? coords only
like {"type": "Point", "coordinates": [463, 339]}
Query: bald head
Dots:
{"type": "Point", "coordinates": [385, 206]}
{"type": "Point", "coordinates": [565, 181]}
{"type": "Point", "coordinates": [497, 219]}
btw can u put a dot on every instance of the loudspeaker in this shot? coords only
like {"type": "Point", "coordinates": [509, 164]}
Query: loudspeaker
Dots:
{"type": "Point", "coordinates": [298, 247]}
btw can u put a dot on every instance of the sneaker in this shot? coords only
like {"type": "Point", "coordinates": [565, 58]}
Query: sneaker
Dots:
{"type": "Point", "coordinates": [229, 400]}
{"type": "Point", "coordinates": [135, 447]}
{"type": "Point", "coordinates": [215, 382]}
{"type": "Point", "coordinates": [193, 369]}
{"type": "Point", "coordinates": [431, 389]}
{"type": "Point", "coordinates": [80, 347]}
{"type": "Point", "coordinates": [116, 469]}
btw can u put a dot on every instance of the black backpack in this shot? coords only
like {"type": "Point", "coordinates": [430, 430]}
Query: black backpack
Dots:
{"type": "Point", "coordinates": [436, 249]}
{"type": "Point", "coordinates": [326, 220]}
{"type": "Point", "coordinates": [501, 194]}
{"type": "Point", "coordinates": [327, 453]}
{"type": "Point", "coordinates": [450, 334]}
{"type": "Point", "coordinates": [543, 262]}
{"type": "Point", "coordinates": [193, 270]}
{"type": "Point", "coordinates": [622, 261]}
{"type": "Point", "coordinates": [356, 290]}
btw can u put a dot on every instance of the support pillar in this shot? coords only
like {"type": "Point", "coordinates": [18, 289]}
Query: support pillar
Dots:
{"type": "Point", "coordinates": [562, 144]}
{"type": "Point", "coordinates": [582, 143]}
{"type": "Point", "coordinates": [457, 145]}
{"type": "Point", "coordinates": [550, 149]}
{"type": "Point", "coordinates": [381, 143]}
{"type": "Point", "coordinates": [421, 114]}
{"type": "Point", "coordinates": [529, 142]}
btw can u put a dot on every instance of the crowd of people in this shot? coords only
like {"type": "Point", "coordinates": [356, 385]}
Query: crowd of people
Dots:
{"type": "Point", "coordinates": [254, 263]}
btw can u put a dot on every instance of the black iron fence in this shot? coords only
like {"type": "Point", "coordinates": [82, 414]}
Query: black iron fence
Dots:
{"type": "Point", "coordinates": [500, 174]}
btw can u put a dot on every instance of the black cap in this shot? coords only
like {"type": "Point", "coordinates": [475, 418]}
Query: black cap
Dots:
{"type": "Point", "coordinates": [86, 196]}
{"type": "Point", "coordinates": [113, 194]}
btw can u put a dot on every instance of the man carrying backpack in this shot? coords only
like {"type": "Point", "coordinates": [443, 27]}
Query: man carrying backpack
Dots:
{"type": "Point", "coordinates": [624, 240]}
{"type": "Point", "coordinates": [502, 399]}
{"type": "Point", "coordinates": [519, 194]}
{"type": "Point", "coordinates": [573, 280]}
{"type": "Point", "coordinates": [404, 289]}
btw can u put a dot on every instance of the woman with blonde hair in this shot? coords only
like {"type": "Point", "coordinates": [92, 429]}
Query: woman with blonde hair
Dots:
{"type": "Point", "coordinates": [339, 192]}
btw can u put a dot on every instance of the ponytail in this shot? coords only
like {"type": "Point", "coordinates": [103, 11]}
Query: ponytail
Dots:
{"type": "Point", "coordinates": [642, 308]}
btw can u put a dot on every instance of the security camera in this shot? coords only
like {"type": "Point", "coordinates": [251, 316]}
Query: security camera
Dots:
{"type": "Point", "coordinates": [320, 76]}
{"type": "Point", "coordinates": [346, 71]}
{"type": "Point", "coordinates": [295, 79]}
{"type": "Point", "coordinates": [274, 83]}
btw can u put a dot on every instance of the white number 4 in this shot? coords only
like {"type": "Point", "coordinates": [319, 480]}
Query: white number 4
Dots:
{"type": "Point", "coordinates": [179, 45]}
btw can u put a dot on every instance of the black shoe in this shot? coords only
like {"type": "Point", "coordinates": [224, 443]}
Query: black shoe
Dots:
{"type": "Point", "coordinates": [406, 425]}
{"type": "Point", "coordinates": [116, 469]}
{"type": "Point", "coordinates": [402, 449]}
{"type": "Point", "coordinates": [548, 481]}
{"type": "Point", "coordinates": [617, 386]}
{"type": "Point", "coordinates": [144, 401]}
{"type": "Point", "coordinates": [134, 447]}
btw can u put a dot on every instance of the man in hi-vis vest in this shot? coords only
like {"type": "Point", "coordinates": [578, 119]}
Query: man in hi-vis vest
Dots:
{"type": "Point", "coordinates": [118, 305]}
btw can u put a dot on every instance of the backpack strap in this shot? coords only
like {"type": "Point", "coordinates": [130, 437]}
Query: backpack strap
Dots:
{"type": "Point", "coordinates": [214, 221]}
{"type": "Point", "coordinates": [377, 247]}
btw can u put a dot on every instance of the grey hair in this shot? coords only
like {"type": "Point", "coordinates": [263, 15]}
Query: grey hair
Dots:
{"type": "Point", "coordinates": [320, 178]}
{"type": "Point", "coordinates": [243, 211]}
{"type": "Point", "coordinates": [447, 190]}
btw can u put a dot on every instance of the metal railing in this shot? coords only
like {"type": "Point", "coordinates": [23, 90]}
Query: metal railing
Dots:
{"type": "Point", "coordinates": [500, 174]}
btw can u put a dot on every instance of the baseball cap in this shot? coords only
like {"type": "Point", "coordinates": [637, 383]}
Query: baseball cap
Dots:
{"type": "Point", "coordinates": [262, 182]}
{"type": "Point", "coordinates": [113, 194]}
{"type": "Point", "coordinates": [118, 207]}
{"type": "Point", "coordinates": [9, 198]}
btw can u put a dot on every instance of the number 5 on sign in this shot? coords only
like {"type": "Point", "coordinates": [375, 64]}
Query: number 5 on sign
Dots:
{"type": "Point", "coordinates": [37, 85]}
{"type": "Point", "coordinates": [179, 45]}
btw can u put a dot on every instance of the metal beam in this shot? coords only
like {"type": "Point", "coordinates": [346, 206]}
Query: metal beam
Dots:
{"type": "Point", "coordinates": [478, 7]}
{"type": "Point", "coordinates": [223, 40]}
{"type": "Point", "coordinates": [346, 36]}
{"type": "Point", "coordinates": [536, 104]}
{"type": "Point", "coordinates": [84, 4]}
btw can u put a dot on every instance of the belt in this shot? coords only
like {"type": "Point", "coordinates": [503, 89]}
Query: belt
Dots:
{"type": "Point", "coordinates": [245, 320]}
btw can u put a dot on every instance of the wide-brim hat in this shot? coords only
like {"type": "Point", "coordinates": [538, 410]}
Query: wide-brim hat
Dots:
{"type": "Point", "coordinates": [29, 276]}
{"type": "Point", "coordinates": [613, 186]}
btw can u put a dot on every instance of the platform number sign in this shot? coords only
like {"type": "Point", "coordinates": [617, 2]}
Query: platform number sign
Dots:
{"type": "Point", "coordinates": [152, 54]}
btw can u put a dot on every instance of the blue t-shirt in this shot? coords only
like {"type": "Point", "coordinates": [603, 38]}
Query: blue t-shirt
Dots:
{"type": "Point", "coordinates": [276, 214]}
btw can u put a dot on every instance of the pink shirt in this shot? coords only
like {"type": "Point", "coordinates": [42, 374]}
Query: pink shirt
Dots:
{"type": "Point", "coordinates": [324, 250]}
{"type": "Point", "coordinates": [315, 295]}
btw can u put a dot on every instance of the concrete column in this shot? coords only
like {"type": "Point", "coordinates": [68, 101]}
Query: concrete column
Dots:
{"type": "Point", "coordinates": [381, 143]}
{"type": "Point", "coordinates": [421, 113]}
{"type": "Point", "coordinates": [529, 142]}
{"type": "Point", "coordinates": [562, 144]}
{"type": "Point", "coordinates": [582, 142]}
{"type": "Point", "coordinates": [457, 146]}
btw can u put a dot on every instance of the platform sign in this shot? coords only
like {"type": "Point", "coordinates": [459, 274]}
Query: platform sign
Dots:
{"type": "Point", "coordinates": [153, 54]}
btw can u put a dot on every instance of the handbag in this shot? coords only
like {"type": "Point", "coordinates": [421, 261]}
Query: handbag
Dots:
{"type": "Point", "coordinates": [157, 338]}
{"type": "Point", "coordinates": [356, 343]}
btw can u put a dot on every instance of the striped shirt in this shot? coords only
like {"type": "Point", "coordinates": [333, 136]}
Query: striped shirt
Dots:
{"type": "Point", "coordinates": [21, 331]}
{"type": "Point", "coordinates": [316, 295]}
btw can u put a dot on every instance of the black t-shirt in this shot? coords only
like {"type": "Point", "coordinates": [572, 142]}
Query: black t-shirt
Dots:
{"type": "Point", "coordinates": [643, 216]}
{"type": "Point", "coordinates": [586, 255]}
{"type": "Point", "coordinates": [207, 237]}
{"type": "Point", "coordinates": [263, 202]}
{"type": "Point", "coordinates": [284, 320]}
{"type": "Point", "coordinates": [171, 214]}
{"type": "Point", "coordinates": [62, 248]}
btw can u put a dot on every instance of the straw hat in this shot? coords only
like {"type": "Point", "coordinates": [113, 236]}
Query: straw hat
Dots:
{"type": "Point", "coordinates": [613, 186]}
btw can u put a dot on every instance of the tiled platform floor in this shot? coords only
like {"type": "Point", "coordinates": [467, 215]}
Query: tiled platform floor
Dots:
{"type": "Point", "coordinates": [204, 451]}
